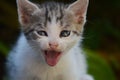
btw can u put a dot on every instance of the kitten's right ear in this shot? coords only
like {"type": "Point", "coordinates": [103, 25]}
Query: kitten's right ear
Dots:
{"type": "Point", "coordinates": [25, 11]}
{"type": "Point", "coordinates": [79, 9]}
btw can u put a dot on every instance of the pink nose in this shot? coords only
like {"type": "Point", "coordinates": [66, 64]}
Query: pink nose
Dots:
{"type": "Point", "coordinates": [53, 45]}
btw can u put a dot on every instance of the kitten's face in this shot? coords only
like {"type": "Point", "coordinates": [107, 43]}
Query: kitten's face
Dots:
{"type": "Point", "coordinates": [52, 29]}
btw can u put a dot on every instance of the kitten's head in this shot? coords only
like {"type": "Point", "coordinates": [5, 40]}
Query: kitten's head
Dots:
{"type": "Point", "coordinates": [52, 28]}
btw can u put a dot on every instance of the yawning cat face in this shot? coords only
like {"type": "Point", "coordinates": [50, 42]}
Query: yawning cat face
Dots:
{"type": "Point", "coordinates": [52, 28]}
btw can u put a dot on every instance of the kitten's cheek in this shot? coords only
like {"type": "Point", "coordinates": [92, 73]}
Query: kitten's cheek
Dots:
{"type": "Point", "coordinates": [43, 45]}
{"type": "Point", "coordinates": [62, 46]}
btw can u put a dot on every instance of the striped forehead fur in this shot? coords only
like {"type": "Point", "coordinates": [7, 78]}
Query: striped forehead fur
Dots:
{"type": "Point", "coordinates": [49, 10]}
{"type": "Point", "coordinates": [53, 9]}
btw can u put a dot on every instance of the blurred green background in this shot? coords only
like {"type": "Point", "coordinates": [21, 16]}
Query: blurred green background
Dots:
{"type": "Point", "coordinates": [101, 36]}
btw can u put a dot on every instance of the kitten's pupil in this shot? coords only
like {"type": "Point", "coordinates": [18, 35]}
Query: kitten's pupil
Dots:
{"type": "Point", "coordinates": [42, 33]}
{"type": "Point", "coordinates": [65, 33]}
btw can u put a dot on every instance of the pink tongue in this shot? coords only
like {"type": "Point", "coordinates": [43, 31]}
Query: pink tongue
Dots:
{"type": "Point", "coordinates": [52, 57]}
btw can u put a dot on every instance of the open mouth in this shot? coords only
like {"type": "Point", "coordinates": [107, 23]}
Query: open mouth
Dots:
{"type": "Point", "coordinates": [52, 57]}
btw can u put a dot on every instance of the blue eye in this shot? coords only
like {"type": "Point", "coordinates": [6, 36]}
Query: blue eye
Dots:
{"type": "Point", "coordinates": [65, 33]}
{"type": "Point", "coordinates": [42, 33]}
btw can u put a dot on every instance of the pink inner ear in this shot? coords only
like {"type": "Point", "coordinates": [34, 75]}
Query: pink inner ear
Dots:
{"type": "Point", "coordinates": [80, 14]}
{"type": "Point", "coordinates": [79, 9]}
{"type": "Point", "coordinates": [25, 10]}
{"type": "Point", "coordinates": [79, 19]}
{"type": "Point", "coordinates": [25, 19]}
{"type": "Point", "coordinates": [24, 16]}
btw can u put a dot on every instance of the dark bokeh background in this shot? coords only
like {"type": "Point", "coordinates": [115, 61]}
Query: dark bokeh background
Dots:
{"type": "Point", "coordinates": [102, 31]}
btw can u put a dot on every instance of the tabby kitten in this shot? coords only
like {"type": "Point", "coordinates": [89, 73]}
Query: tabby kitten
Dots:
{"type": "Point", "coordinates": [48, 48]}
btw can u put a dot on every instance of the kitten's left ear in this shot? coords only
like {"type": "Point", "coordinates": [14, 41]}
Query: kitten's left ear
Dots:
{"type": "Point", "coordinates": [25, 11]}
{"type": "Point", "coordinates": [79, 10]}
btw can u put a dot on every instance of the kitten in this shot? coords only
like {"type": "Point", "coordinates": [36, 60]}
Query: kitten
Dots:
{"type": "Point", "coordinates": [48, 48]}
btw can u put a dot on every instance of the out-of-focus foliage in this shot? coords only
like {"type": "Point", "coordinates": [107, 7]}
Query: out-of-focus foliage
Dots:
{"type": "Point", "coordinates": [102, 35]}
{"type": "Point", "coordinates": [98, 67]}
{"type": "Point", "coordinates": [4, 49]}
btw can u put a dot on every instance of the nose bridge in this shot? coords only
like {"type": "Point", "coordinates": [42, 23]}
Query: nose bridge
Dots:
{"type": "Point", "coordinates": [53, 38]}
{"type": "Point", "coordinates": [53, 34]}
{"type": "Point", "coordinates": [53, 31]}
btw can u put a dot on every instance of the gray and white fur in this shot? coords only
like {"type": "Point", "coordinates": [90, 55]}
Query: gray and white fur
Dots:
{"type": "Point", "coordinates": [48, 48]}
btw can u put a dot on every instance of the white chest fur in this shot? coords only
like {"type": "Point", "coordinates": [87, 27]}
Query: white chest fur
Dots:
{"type": "Point", "coordinates": [72, 66]}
